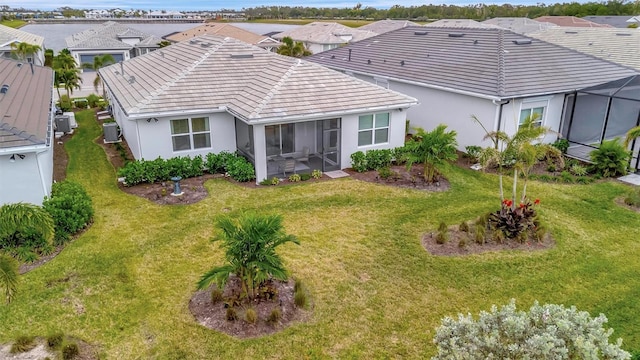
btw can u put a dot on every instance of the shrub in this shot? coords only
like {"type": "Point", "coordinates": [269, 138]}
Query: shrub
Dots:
{"type": "Point", "coordinates": [265, 182]}
{"type": "Point", "coordinates": [70, 207]}
{"type": "Point", "coordinates": [22, 344]}
{"type": "Point", "coordinates": [578, 170]}
{"type": "Point", "coordinates": [55, 340]}
{"type": "Point", "coordinates": [633, 199]}
{"type": "Point", "coordinates": [65, 103]}
{"type": "Point", "coordinates": [232, 314]}
{"type": "Point", "coordinates": [251, 316]}
{"type": "Point", "coordinates": [316, 174]}
{"type": "Point", "coordinates": [241, 170]}
{"type": "Point", "coordinates": [274, 181]}
{"type": "Point", "coordinates": [610, 159]}
{"type": "Point", "coordinates": [566, 177]}
{"type": "Point", "coordinates": [562, 145]}
{"type": "Point", "coordinates": [464, 227]}
{"type": "Point", "coordinates": [546, 178]}
{"type": "Point", "coordinates": [216, 295]}
{"type": "Point", "coordinates": [463, 242]}
{"type": "Point", "coordinates": [552, 167]}
{"type": "Point", "coordinates": [400, 155]}
{"type": "Point", "coordinates": [93, 100]}
{"type": "Point", "coordinates": [213, 163]}
{"type": "Point", "coordinates": [377, 159]}
{"type": "Point", "coordinates": [80, 104]}
{"type": "Point", "coordinates": [305, 177]}
{"type": "Point", "coordinates": [513, 221]}
{"type": "Point", "coordinates": [70, 351]}
{"type": "Point", "coordinates": [473, 152]}
{"type": "Point", "coordinates": [443, 234]}
{"type": "Point", "coordinates": [294, 178]}
{"type": "Point", "coordinates": [385, 172]}
{"type": "Point", "coordinates": [274, 316]}
{"type": "Point", "coordinates": [133, 173]}
{"type": "Point", "coordinates": [545, 331]}
{"type": "Point", "coordinates": [297, 285]}
{"type": "Point", "coordinates": [359, 161]}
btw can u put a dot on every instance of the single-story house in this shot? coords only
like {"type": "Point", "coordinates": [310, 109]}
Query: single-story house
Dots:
{"type": "Point", "coordinates": [570, 21]}
{"type": "Point", "coordinates": [9, 35]}
{"type": "Point", "coordinates": [323, 36]}
{"type": "Point", "coordinates": [617, 21]}
{"type": "Point", "coordinates": [519, 25]}
{"type": "Point", "coordinates": [459, 23]}
{"type": "Point", "coordinates": [112, 38]}
{"type": "Point", "coordinates": [498, 75]}
{"type": "Point", "coordinates": [222, 29]}
{"type": "Point", "coordinates": [26, 132]}
{"type": "Point", "coordinates": [213, 94]}
{"type": "Point", "coordinates": [384, 26]}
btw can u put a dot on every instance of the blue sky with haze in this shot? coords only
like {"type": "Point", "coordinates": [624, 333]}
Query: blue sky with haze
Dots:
{"type": "Point", "coordinates": [229, 4]}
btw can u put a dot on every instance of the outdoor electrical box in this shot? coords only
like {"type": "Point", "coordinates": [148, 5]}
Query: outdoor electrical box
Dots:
{"type": "Point", "coordinates": [62, 123]}
{"type": "Point", "coordinates": [111, 132]}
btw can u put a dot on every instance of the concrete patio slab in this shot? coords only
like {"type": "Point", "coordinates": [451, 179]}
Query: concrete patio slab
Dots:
{"type": "Point", "coordinates": [633, 179]}
{"type": "Point", "coordinates": [336, 174]}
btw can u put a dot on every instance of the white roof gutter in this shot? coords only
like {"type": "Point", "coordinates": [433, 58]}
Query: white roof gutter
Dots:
{"type": "Point", "coordinates": [176, 113]}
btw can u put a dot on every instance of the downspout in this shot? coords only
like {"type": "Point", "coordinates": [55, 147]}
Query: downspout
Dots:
{"type": "Point", "coordinates": [45, 191]}
{"type": "Point", "coordinates": [500, 104]}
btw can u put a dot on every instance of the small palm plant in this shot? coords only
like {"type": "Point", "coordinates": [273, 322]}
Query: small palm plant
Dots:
{"type": "Point", "coordinates": [8, 276]}
{"type": "Point", "coordinates": [250, 243]}
{"type": "Point", "coordinates": [433, 149]}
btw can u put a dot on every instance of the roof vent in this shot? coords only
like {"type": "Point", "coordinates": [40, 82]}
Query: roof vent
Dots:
{"type": "Point", "coordinates": [333, 56]}
{"type": "Point", "coordinates": [456, 35]}
{"type": "Point", "coordinates": [369, 61]}
{"type": "Point", "coordinates": [522, 41]}
{"type": "Point", "coordinates": [19, 65]}
{"type": "Point", "coordinates": [241, 56]}
{"type": "Point", "coordinates": [205, 45]}
{"type": "Point", "coordinates": [194, 41]}
{"type": "Point", "coordinates": [401, 62]}
{"type": "Point", "coordinates": [4, 89]}
{"type": "Point", "coordinates": [475, 42]}
{"type": "Point", "coordinates": [570, 32]}
{"type": "Point", "coordinates": [420, 32]}
{"type": "Point", "coordinates": [623, 34]}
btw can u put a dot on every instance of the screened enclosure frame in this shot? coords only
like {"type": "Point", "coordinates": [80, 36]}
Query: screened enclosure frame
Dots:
{"type": "Point", "coordinates": [602, 112]}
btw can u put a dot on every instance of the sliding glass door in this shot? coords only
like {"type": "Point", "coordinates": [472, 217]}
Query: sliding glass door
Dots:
{"type": "Point", "coordinates": [280, 139]}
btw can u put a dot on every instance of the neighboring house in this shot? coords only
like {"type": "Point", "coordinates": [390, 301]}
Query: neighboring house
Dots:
{"type": "Point", "coordinates": [323, 36]}
{"type": "Point", "coordinates": [213, 94]}
{"type": "Point", "coordinates": [26, 132]}
{"type": "Point", "coordinates": [112, 38]}
{"type": "Point", "coordinates": [162, 14]}
{"type": "Point", "coordinates": [384, 26]}
{"type": "Point", "coordinates": [519, 25]}
{"type": "Point", "coordinates": [222, 29]}
{"type": "Point", "coordinates": [621, 46]}
{"type": "Point", "coordinates": [10, 35]}
{"type": "Point", "coordinates": [460, 23]}
{"type": "Point", "coordinates": [498, 75]}
{"type": "Point", "coordinates": [97, 14]}
{"type": "Point", "coordinates": [614, 21]}
{"type": "Point", "coordinates": [570, 21]}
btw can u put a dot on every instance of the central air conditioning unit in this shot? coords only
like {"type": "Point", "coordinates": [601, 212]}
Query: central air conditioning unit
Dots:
{"type": "Point", "coordinates": [62, 123]}
{"type": "Point", "coordinates": [111, 133]}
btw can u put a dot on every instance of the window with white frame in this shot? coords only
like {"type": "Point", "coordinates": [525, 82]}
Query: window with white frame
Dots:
{"type": "Point", "coordinates": [535, 111]}
{"type": "Point", "coordinates": [190, 134]}
{"type": "Point", "coordinates": [373, 129]}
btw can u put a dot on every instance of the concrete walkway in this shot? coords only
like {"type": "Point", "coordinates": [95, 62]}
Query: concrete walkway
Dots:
{"type": "Point", "coordinates": [633, 179]}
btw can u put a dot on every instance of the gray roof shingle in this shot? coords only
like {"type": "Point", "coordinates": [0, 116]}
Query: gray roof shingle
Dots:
{"type": "Point", "coordinates": [8, 34]}
{"type": "Point", "coordinates": [211, 72]}
{"type": "Point", "coordinates": [493, 63]}
{"type": "Point", "coordinates": [325, 33]}
{"type": "Point", "coordinates": [615, 21]}
{"type": "Point", "coordinates": [26, 105]}
{"type": "Point", "coordinates": [519, 25]}
{"type": "Point", "coordinates": [383, 26]}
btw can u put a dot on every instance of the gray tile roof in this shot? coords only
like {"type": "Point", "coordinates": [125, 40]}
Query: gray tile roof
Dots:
{"type": "Point", "coordinates": [211, 72]}
{"type": "Point", "coordinates": [383, 26]}
{"type": "Point", "coordinates": [325, 33]}
{"type": "Point", "coordinates": [618, 45]}
{"type": "Point", "coordinates": [104, 36]}
{"type": "Point", "coordinates": [462, 23]}
{"type": "Point", "coordinates": [494, 63]}
{"type": "Point", "coordinates": [615, 21]}
{"type": "Point", "coordinates": [25, 107]}
{"type": "Point", "coordinates": [519, 25]}
{"type": "Point", "coordinates": [8, 34]}
{"type": "Point", "coordinates": [570, 21]}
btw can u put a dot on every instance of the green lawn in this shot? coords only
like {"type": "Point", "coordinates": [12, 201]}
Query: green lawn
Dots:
{"type": "Point", "coordinates": [125, 284]}
{"type": "Point", "coordinates": [13, 23]}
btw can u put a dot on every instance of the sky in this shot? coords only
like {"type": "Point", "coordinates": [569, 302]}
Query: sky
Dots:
{"type": "Point", "coordinates": [231, 4]}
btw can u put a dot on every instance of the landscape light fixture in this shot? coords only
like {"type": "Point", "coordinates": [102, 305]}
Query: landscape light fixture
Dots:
{"type": "Point", "coordinates": [13, 157]}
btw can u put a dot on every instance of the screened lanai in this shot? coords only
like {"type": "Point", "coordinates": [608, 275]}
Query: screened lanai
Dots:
{"type": "Point", "coordinates": [602, 112]}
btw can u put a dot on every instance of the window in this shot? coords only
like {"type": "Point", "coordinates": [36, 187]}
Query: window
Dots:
{"type": "Point", "coordinates": [280, 139]}
{"type": "Point", "coordinates": [536, 113]}
{"type": "Point", "coordinates": [373, 129]}
{"type": "Point", "coordinates": [189, 134]}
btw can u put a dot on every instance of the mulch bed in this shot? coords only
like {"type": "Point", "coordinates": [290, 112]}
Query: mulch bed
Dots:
{"type": "Point", "coordinates": [452, 246]}
{"type": "Point", "coordinates": [213, 316]}
{"type": "Point", "coordinates": [412, 179]}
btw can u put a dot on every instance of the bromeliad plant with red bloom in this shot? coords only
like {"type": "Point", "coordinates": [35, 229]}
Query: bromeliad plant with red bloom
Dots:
{"type": "Point", "coordinates": [515, 222]}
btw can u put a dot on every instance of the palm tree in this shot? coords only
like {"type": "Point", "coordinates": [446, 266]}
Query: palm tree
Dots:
{"type": "Point", "coordinates": [8, 276]}
{"type": "Point", "coordinates": [99, 61]}
{"type": "Point", "coordinates": [632, 134]}
{"type": "Point", "coordinates": [23, 50]}
{"type": "Point", "coordinates": [16, 217]}
{"type": "Point", "coordinates": [432, 149]}
{"type": "Point", "coordinates": [70, 78]}
{"type": "Point", "coordinates": [65, 67]}
{"type": "Point", "coordinates": [293, 49]}
{"type": "Point", "coordinates": [250, 243]}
